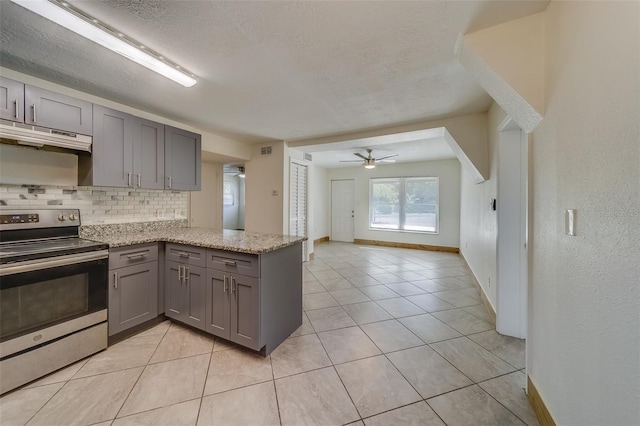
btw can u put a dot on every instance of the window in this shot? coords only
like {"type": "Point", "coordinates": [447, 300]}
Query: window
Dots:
{"type": "Point", "coordinates": [407, 204]}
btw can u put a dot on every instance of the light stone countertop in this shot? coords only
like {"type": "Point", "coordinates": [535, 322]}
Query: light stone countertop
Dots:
{"type": "Point", "coordinates": [230, 240]}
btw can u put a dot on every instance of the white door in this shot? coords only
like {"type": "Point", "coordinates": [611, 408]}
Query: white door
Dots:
{"type": "Point", "coordinates": [511, 309]}
{"type": "Point", "coordinates": [342, 210]}
{"type": "Point", "coordinates": [298, 203]}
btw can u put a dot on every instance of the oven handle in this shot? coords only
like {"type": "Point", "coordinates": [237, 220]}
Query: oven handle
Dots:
{"type": "Point", "coordinates": [39, 264]}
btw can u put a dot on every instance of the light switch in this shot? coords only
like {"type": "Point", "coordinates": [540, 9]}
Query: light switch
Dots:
{"type": "Point", "coordinates": [570, 222]}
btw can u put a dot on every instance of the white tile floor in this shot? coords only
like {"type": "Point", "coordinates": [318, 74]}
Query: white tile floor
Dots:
{"type": "Point", "coordinates": [389, 337]}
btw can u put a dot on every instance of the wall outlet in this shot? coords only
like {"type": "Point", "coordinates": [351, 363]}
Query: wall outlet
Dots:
{"type": "Point", "coordinates": [489, 281]}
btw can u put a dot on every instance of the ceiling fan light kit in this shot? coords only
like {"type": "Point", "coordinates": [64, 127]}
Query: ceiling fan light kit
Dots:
{"type": "Point", "coordinates": [369, 160]}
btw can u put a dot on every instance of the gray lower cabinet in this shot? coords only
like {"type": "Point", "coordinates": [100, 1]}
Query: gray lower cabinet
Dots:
{"type": "Point", "coordinates": [183, 155]}
{"type": "Point", "coordinates": [56, 111]}
{"type": "Point", "coordinates": [185, 291]}
{"type": "Point", "coordinates": [233, 308]}
{"type": "Point", "coordinates": [133, 286]}
{"type": "Point", "coordinates": [11, 100]}
{"type": "Point", "coordinates": [128, 152]}
{"type": "Point", "coordinates": [252, 300]}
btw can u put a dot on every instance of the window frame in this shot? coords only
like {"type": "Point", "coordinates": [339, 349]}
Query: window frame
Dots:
{"type": "Point", "coordinates": [402, 207]}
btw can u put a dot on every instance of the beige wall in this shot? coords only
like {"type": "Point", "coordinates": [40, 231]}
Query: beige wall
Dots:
{"type": "Point", "coordinates": [264, 190]}
{"type": "Point", "coordinates": [584, 336]}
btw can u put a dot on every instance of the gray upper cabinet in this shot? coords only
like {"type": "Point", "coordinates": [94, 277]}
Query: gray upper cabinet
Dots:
{"type": "Point", "coordinates": [11, 100]}
{"type": "Point", "coordinates": [56, 111]}
{"type": "Point", "coordinates": [148, 153]}
{"type": "Point", "coordinates": [111, 162]}
{"type": "Point", "coordinates": [128, 152]}
{"type": "Point", "coordinates": [183, 154]}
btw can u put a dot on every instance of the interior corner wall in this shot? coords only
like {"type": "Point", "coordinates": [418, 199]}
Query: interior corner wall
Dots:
{"type": "Point", "coordinates": [265, 190]}
{"type": "Point", "coordinates": [478, 223]}
{"type": "Point", "coordinates": [320, 202]}
{"type": "Point", "coordinates": [584, 297]}
{"type": "Point", "coordinates": [449, 173]}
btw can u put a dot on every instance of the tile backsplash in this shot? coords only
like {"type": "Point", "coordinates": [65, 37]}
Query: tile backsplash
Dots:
{"type": "Point", "coordinates": [99, 205]}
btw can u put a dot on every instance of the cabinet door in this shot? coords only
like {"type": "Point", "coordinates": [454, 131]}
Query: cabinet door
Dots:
{"type": "Point", "coordinates": [174, 299]}
{"type": "Point", "coordinates": [133, 296]}
{"type": "Point", "coordinates": [11, 100]}
{"type": "Point", "coordinates": [245, 311]}
{"type": "Point", "coordinates": [148, 153]}
{"type": "Point", "coordinates": [217, 304]}
{"type": "Point", "coordinates": [195, 284]}
{"type": "Point", "coordinates": [112, 155]}
{"type": "Point", "coordinates": [183, 154]}
{"type": "Point", "coordinates": [56, 111]}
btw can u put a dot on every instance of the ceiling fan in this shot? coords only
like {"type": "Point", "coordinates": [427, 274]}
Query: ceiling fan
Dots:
{"type": "Point", "coordinates": [369, 161]}
{"type": "Point", "coordinates": [235, 170]}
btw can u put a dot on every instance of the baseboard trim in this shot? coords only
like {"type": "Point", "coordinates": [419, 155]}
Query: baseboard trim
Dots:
{"type": "Point", "coordinates": [320, 240]}
{"type": "Point", "coordinates": [483, 296]}
{"type": "Point", "coordinates": [544, 417]}
{"type": "Point", "coordinates": [407, 246]}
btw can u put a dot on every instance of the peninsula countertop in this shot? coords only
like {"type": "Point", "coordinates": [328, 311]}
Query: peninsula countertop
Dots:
{"type": "Point", "coordinates": [229, 240]}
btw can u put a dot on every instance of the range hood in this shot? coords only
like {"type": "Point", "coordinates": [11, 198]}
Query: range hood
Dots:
{"type": "Point", "coordinates": [24, 134]}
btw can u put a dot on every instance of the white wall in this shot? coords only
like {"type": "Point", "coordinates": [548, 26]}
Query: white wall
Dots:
{"type": "Point", "coordinates": [449, 173]}
{"type": "Point", "coordinates": [584, 336]}
{"type": "Point", "coordinates": [478, 223]}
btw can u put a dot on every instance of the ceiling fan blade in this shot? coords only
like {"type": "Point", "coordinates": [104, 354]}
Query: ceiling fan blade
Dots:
{"type": "Point", "coordinates": [385, 161]}
{"type": "Point", "coordinates": [386, 156]}
{"type": "Point", "coordinates": [359, 155]}
{"type": "Point", "coordinates": [350, 161]}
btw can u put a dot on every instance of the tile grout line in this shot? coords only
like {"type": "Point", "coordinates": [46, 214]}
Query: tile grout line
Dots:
{"type": "Point", "coordinates": [138, 379]}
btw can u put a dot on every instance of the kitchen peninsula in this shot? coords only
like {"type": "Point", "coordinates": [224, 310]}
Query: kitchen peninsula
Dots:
{"type": "Point", "coordinates": [245, 287]}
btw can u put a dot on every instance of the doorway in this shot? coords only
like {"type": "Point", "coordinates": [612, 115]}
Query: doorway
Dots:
{"type": "Point", "coordinates": [512, 245]}
{"type": "Point", "coordinates": [233, 197]}
{"type": "Point", "coordinates": [342, 210]}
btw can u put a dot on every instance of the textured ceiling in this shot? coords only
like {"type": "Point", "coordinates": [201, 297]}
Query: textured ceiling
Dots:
{"type": "Point", "coordinates": [271, 70]}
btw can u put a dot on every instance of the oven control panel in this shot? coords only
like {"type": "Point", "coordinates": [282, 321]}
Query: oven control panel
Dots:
{"type": "Point", "coordinates": [42, 218]}
{"type": "Point", "coordinates": [20, 218]}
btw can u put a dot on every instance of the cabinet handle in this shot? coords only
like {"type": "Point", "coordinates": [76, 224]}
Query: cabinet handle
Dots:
{"type": "Point", "coordinates": [183, 254]}
{"type": "Point", "coordinates": [180, 273]}
{"type": "Point", "coordinates": [115, 280]}
{"type": "Point", "coordinates": [33, 107]}
{"type": "Point", "coordinates": [137, 255]}
{"type": "Point", "coordinates": [229, 262]}
{"type": "Point", "coordinates": [233, 285]}
{"type": "Point", "coordinates": [129, 179]}
{"type": "Point", "coordinates": [16, 104]}
{"type": "Point", "coordinates": [226, 284]}
{"type": "Point", "coordinates": [169, 182]}
{"type": "Point", "coordinates": [185, 276]}
{"type": "Point", "coordinates": [139, 185]}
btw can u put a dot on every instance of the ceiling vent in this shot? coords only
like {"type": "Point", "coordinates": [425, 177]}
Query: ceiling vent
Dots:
{"type": "Point", "coordinates": [308, 157]}
{"type": "Point", "coordinates": [265, 150]}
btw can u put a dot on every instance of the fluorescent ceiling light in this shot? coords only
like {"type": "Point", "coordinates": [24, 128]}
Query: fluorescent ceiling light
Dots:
{"type": "Point", "coordinates": [67, 18]}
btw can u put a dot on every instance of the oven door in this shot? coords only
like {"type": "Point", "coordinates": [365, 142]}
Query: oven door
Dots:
{"type": "Point", "coordinates": [46, 299]}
